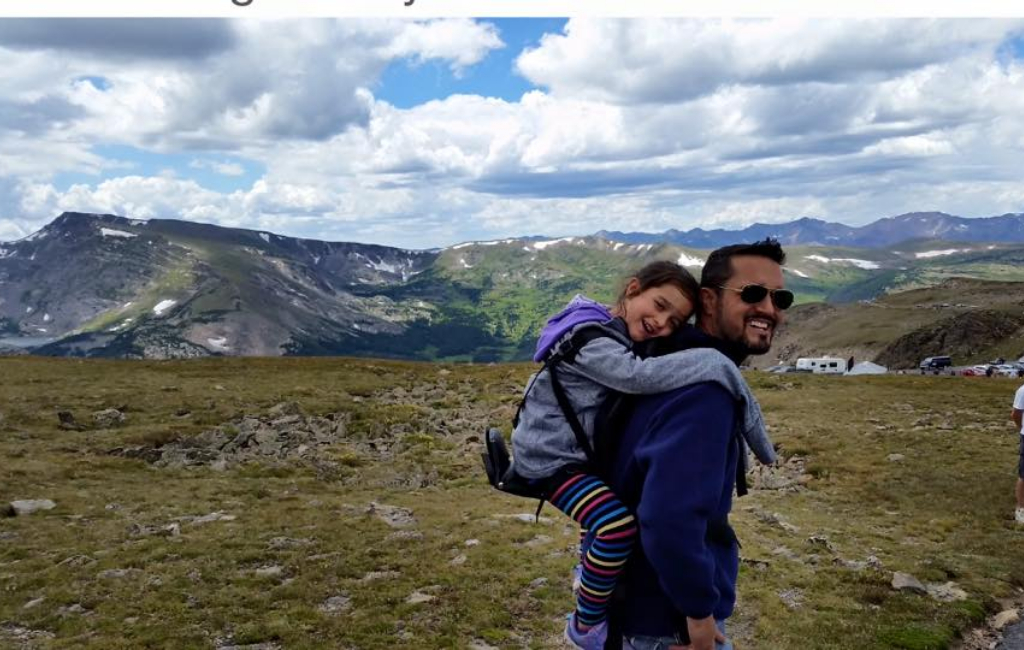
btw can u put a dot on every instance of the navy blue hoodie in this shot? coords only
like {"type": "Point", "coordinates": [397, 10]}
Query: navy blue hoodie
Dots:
{"type": "Point", "coordinates": [676, 468]}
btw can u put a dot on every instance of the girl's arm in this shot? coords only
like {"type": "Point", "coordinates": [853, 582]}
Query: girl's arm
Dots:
{"type": "Point", "coordinates": [609, 363]}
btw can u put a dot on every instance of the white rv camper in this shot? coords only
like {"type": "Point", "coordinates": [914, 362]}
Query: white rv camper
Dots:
{"type": "Point", "coordinates": [822, 365]}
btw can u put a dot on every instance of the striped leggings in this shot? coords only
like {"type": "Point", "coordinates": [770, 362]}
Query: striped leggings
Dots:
{"type": "Point", "coordinates": [611, 531]}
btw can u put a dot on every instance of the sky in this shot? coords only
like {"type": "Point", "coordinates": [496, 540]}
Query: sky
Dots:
{"type": "Point", "coordinates": [427, 133]}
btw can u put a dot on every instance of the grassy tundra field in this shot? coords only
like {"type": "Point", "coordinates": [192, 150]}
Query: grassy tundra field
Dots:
{"type": "Point", "coordinates": [379, 530]}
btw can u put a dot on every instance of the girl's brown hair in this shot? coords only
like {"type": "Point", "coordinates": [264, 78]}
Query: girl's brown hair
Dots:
{"type": "Point", "coordinates": [662, 272]}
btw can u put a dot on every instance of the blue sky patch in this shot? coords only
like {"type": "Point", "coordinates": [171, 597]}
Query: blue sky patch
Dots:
{"type": "Point", "coordinates": [407, 83]}
{"type": "Point", "coordinates": [99, 83]}
{"type": "Point", "coordinates": [220, 173]}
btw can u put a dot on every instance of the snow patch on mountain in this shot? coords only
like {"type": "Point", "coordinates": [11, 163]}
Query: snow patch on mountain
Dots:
{"type": "Point", "coordinates": [861, 264]}
{"type": "Point", "coordinates": [687, 260]}
{"type": "Point", "coordinates": [163, 306]}
{"type": "Point", "coordinates": [939, 253]}
{"type": "Point", "coordinates": [110, 232]}
{"type": "Point", "coordinates": [541, 245]}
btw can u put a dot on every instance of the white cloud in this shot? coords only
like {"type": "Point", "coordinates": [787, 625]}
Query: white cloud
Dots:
{"type": "Point", "coordinates": [641, 125]}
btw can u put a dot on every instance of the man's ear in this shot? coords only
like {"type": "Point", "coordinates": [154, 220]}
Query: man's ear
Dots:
{"type": "Point", "coordinates": [708, 300]}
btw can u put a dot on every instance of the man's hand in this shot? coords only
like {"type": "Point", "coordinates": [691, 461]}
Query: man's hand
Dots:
{"type": "Point", "coordinates": [703, 634]}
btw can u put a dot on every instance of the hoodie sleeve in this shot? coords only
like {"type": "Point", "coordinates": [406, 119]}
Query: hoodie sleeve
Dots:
{"type": "Point", "coordinates": [609, 363]}
{"type": "Point", "coordinates": [606, 361]}
{"type": "Point", "coordinates": [685, 455]}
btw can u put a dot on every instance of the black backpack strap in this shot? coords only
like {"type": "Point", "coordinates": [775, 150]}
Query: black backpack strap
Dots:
{"type": "Point", "coordinates": [566, 351]}
{"type": "Point", "coordinates": [570, 416]}
{"type": "Point", "coordinates": [741, 457]}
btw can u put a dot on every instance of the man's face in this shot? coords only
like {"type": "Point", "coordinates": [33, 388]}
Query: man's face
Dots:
{"type": "Point", "coordinates": [727, 317]}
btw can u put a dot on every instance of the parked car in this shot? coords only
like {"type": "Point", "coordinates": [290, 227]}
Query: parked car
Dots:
{"type": "Point", "coordinates": [980, 370]}
{"type": "Point", "coordinates": [935, 364]}
{"type": "Point", "coordinates": [1007, 370]}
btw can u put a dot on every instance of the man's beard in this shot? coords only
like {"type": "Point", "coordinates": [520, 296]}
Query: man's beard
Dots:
{"type": "Point", "coordinates": [740, 339]}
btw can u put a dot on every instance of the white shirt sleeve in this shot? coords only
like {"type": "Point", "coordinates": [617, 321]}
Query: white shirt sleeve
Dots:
{"type": "Point", "coordinates": [1018, 399]}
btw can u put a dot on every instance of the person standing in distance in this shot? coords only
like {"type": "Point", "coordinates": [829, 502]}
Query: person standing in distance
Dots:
{"type": "Point", "coordinates": [1016, 416]}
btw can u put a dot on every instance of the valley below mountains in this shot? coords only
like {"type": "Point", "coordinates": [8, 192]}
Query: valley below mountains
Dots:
{"type": "Point", "coordinates": [110, 286]}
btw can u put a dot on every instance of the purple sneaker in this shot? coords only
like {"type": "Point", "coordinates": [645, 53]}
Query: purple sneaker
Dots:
{"type": "Point", "coordinates": [592, 639]}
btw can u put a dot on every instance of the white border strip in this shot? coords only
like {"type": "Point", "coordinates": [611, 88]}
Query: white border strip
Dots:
{"type": "Point", "coordinates": [506, 8]}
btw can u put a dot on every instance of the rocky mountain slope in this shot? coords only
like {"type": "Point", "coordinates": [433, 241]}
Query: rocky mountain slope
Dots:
{"type": "Point", "coordinates": [103, 285]}
{"type": "Point", "coordinates": [971, 320]}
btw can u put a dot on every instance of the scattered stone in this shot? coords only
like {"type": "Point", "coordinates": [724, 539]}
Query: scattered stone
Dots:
{"type": "Point", "coordinates": [336, 604]}
{"type": "Point", "coordinates": [480, 644]}
{"type": "Point", "coordinates": [67, 421]}
{"type": "Point", "coordinates": [251, 646]}
{"type": "Point", "coordinates": [28, 506]}
{"type": "Point", "coordinates": [775, 519]}
{"type": "Point", "coordinates": [213, 516]}
{"type": "Point", "coordinates": [1006, 617]}
{"type": "Point", "coordinates": [285, 409]}
{"type": "Point", "coordinates": [783, 551]}
{"type": "Point", "coordinates": [393, 516]}
{"type": "Point", "coordinates": [8, 534]}
{"type": "Point", "coordinates": [73, 610]}
{"type": "Point", "coordinates": [34, 602]}
{"type": "Point", "coordinates": [108, 418]}
{"type": "Point", "coordinates": [896, 458]}
{"type": "Point", "coordinates": [380, 575]}
{"type": "Point", "coordinates": [525, 517]}
{"type": "Point", "coordinates": [404, 535]}
{"type": "Point", "coordinates": [26, 637]}
{"type": "Point", "coordinates": [280, 435]}
{"type": "Point", "coordinates": [140, 530]}
{"type": "Point", "coordinates": [757, 565]}
{"type": "Point", "coordinates": [538, 582]}
{"type": "Point", "coordinates": [472, 542]}
{"type": "Point", "coordinates": [131, 620]}
{"type": "Point", "coordinates": [118, 573]}
{"type": "Point", "coordinates": [458, 560]}
{"type": "Point", "coordinates": [906, 582]}
{"type": "Point", "coordinates": [418, 597]}
{"type": "Point", "coordinates": [279, 543]}
{"type": "Point", "coordinates": [112, 506]}
{"type": "Point", "coordinates": [853, 565]}
{"type": "Point", "coordinates": [792, 598]}
{"type": "Point", "coordinates": [218, 387]}
{"type": "Point", "coordinates": [822, 541]}
{"type": "Point", "coordinates": [77, 561]}
{"type": "Point", "coordinates": [270, 570]}
{"type": "Point", "coordinates": [539, 540]}
{"type": "Point", "coordinates": [946, 593]}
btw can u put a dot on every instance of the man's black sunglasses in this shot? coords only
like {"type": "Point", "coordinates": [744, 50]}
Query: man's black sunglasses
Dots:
{"type": "Point", "coordinates": [755, 293]}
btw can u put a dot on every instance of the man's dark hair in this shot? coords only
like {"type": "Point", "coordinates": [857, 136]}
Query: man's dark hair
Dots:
{"type": "Point", "coordinates": [718, 268]}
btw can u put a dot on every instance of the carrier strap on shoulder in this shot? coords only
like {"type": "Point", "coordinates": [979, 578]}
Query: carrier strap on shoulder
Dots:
{"type": "Point", "coordinates": [566, 351]}
{"type": "Point", "coordinates": [570, 416]}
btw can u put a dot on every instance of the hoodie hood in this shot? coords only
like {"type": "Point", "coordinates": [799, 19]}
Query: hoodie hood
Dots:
{"type": "Point", "coordinates": [579, 310]}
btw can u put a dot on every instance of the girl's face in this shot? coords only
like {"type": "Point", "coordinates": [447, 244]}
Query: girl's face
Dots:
{"type": "Point", "coordinates": [655, 311]}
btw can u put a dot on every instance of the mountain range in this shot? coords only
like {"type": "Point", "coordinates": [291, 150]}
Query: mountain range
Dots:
{"type": "Point", "coordinates": [111, 286]}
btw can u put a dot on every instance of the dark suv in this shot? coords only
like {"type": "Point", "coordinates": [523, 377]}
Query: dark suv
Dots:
{"type": "Point", "coordinates": [935, 364]}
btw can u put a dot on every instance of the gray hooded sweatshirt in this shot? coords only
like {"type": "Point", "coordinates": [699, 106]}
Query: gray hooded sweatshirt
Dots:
{"type": "Point", "coordinates": [543, 441]}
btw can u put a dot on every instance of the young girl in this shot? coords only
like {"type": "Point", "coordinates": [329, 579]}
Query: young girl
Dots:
{"type": "Point", "coordinates": [657, 301]}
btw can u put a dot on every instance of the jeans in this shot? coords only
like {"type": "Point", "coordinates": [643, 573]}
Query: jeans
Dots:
{"type": "Point", "coordinates": [662, 642]}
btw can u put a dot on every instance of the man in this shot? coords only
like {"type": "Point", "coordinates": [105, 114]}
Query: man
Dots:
{"type": "Point", "coordinates": [680, 456]}
{"type": "Point", "coordinates": [1015, 415]}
